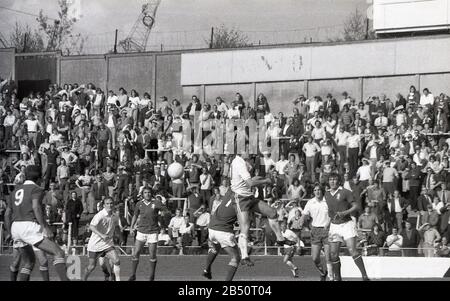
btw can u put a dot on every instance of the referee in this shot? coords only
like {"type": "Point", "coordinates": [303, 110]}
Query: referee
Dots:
{"type": "Point", "coordinates": [317, 209]}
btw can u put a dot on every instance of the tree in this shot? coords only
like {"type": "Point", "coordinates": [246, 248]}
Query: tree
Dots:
{"type": "Point", "coordinates": [224, 37]}
{"type": "Point", "coordinates": [24, 40]}
{"type": "Point", "coordinates": [355, 27]}
{"type": "Point", "coordinates": [57, 32]}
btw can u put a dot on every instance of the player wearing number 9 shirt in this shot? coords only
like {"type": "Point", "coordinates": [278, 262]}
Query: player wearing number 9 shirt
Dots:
{"type": "Point", "coordinates": [221, 235]}
{"type": "Point", "coordinates": [26, 224]}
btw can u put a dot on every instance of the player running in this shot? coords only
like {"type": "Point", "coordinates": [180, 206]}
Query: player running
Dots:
{"type": "Point", "coordinates": [147, 212]}
{"type": "Point", "coordinates": [26, 224]}
{"type": "Point", "coordinates": [317, 209]}
{"type": "Point", "coordinates": [101, 242]}
{"type": "Point", "coordinates": [241, 185]}
{"type": "Point", "coordinates": [293, 244]}
{"type": "Point", "coordinates": [342, 228]}
{"type": "Point", "coordinates": [221, 235]}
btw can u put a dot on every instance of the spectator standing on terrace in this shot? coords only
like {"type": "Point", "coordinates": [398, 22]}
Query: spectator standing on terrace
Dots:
{"type": "Point", "coordinates": [430, 237]}
{"type": "Point", "coordinates": [394, 241]}
{"type": "Point", "coordinates": [311, 149]}
{"type": "Point", "coordinates": [411, 240]}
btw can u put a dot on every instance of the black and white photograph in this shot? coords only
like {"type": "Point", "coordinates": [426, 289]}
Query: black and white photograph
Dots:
{"type": "Point", "coordinates": [206, 142]}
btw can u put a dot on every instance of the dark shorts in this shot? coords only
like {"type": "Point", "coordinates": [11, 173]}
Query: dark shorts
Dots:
{"type": "Point", "coordinates": [290, 252]}
{"type": "Point", "coordinates": [319, 236]}
{"type": "Point", "coordinates": [97, 255]}
{"type": "Point", "coordinates": [246, 203]}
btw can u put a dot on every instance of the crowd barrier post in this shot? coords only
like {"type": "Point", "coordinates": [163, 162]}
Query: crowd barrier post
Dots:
{"type": "Point", "coordinates": [69, 237]}
{"type": "Point", "coordinates": [1, 237]}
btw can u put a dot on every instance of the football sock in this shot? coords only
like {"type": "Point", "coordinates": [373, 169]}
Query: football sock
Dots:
{"type": "Point", "coordinates": [13, 274]}
{"type": "Point", "coordinates": [320, 268]}
{"type": "Point", "coordinates": [230, 272]}
{"type": "Point", "coordinates": [116, 269]}
{"type": "Point", "coordinates": [44, 273]}
{"type": "Point", "coordinates": [243, 245]}
{"type": "Point", "coordinates": [330, 271]}
{"type": "Point", "coordinates": [291, 265]}
{"type": "Point", "coordinates": [24, 274]}
{"type": "Point", "coordinates": [212, 254]}
{"type": "Point", "coordinates": [152, 269]}
{"type": "Point", "coordinates": [134, 265]}
{"type": "Point", "coordinates": [105, 269]}
{"type": "Point", "coordinates": [337, 269]}
{"type": "Point", "coordinates": [360, 264]}
{"type": "Point", "coordinates": [60, 267]}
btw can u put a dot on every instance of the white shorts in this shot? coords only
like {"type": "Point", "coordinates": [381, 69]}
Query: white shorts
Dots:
{"type": "Point", "coordinates": [225, 239]}
{"type": "Point", "coordinates": [26, 233]}
{"type": "Point", "coordinates": [342, 232]}
{"type": "Point", "coordinates": [148, 238]}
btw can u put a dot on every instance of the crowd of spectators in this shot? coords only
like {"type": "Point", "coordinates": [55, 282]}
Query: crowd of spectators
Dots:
{"type": "Point", "coordinates": [393, 154]}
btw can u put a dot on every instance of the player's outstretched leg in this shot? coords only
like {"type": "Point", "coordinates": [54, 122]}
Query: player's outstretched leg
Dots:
{"type": "Point", "coordinates": [288, 261]}
{"type": "Point", "coordinates": [272, 216]}
{"type": "Point", "coordinates": [114, 258]}
{"type": "Point", "coordinates": [28, 258]}
{"type": "Point", "coordinates": [234, 262]}
{"type": "Point", "coordinates": [213, 251]}
{"type": "Point", "coordinates": [15, 265]}
{"type": "Point", "coordinates": [244, 224]}
{"type": "Point", "coordinates": [135, 259]}
{"type": "Point", "coordinates": [357, 258]}
{"type": "Point", "coordinates": [315, 253]}
{"type": "Point", "coordinates": [152, 247]}
{"type": "Point", "coordinates": [91, 265]}
{"type": "Point", "coordinates": [59, 261]}
{"type": "Point", "coordinates": [106, 269]}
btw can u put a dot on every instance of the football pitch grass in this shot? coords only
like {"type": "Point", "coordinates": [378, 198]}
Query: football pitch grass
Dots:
{"type": "Point", "coordinates": [190, 267]}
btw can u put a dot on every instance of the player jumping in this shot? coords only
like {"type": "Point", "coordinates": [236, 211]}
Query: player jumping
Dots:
{"type": "Point", "coordinates": [221, 235]}
{"type": "Point", "coordinates": [317, 209]}
{"type": "Point", "coordinates": [26, 224]}
{"type": "Point", "coordinates": [342, 228]}
{"type": "Point", "coordinates": [147, 212]}
{"type": "Point", "coordinates": [101, 243]}
{"type": "Point", "coordinates": [241, 185]}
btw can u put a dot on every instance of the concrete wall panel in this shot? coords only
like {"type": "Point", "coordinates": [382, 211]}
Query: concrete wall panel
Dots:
{"type": "Point", "coordinates": [83, 71]}
{"type": "Point", "coordinates": [436, 83]}
{"type": "Point", "coordinates": [281, 95]}
{"type": "Point", "coordinates": [7, 63]}
{"type": "Point", "coordinates": [168, 72]}
{"type": "Point", "coordinates": [131, 72]}
{"type": "Point", "coordinates": [388, 85]}
{"type": "Point", "coordinates": [335, 87]}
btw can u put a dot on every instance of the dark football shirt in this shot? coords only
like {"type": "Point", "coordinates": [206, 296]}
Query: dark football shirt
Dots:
{"type": "Point", "coordinates": [22, 201]}
{"type": "Point", "coordinates": [148, 216]}
{"type": "Point", "coordinates": [341, 200]}
{"type": "Point", "coordinates": [225, 216]}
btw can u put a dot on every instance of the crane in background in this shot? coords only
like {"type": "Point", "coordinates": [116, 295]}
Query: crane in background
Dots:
{"type": "Point", "coordinates": [139, 34]}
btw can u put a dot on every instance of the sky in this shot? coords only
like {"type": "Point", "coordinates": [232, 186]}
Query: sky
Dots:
{"type": "Point", "coordinates": [187, 23]}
